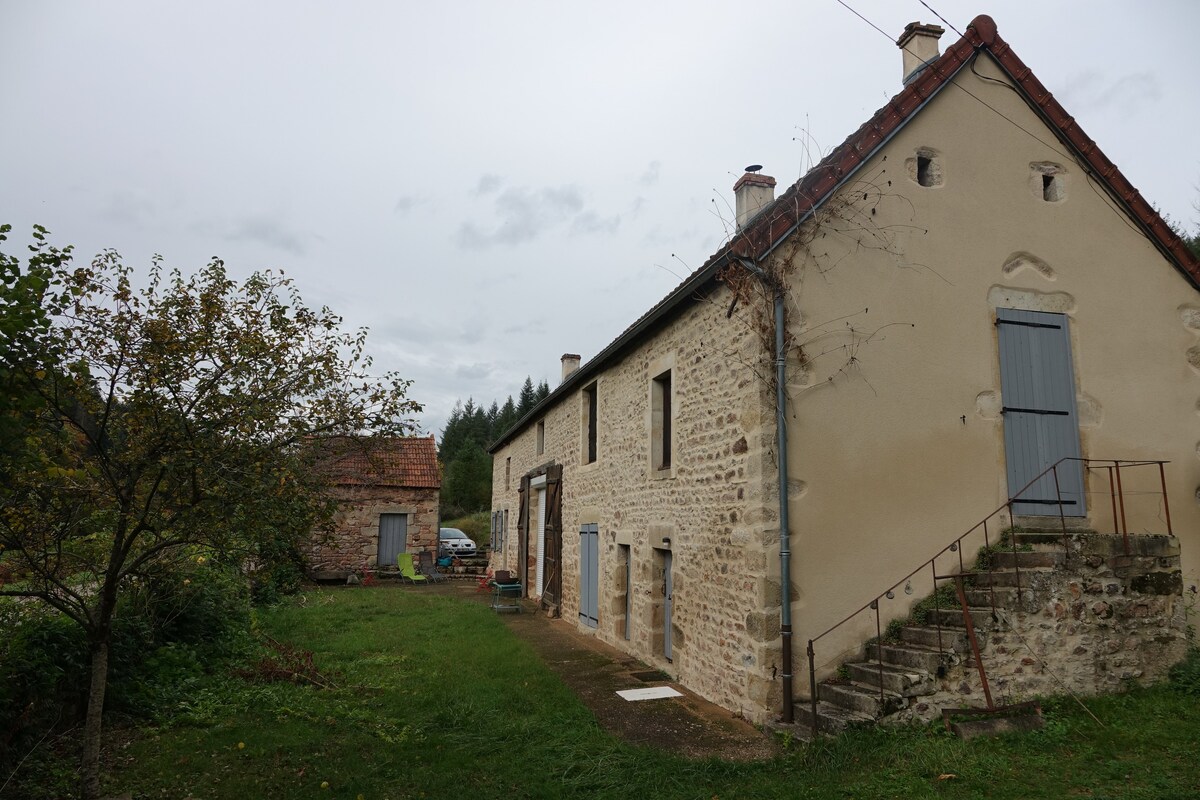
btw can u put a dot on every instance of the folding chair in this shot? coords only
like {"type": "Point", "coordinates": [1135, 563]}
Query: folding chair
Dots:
{"type": "Point", "coordinates": [404, 563]}
{"type": "Point", "coordinates": [428, 568]}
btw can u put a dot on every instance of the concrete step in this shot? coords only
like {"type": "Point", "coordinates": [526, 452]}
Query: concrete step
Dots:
{"type": "Point", "coordinates": [930, 637]}
{"type": "Point", "coordinates": [831, 719]}
{"type": "Point", "coordinates": [903, 681]}
{"type": "Point", "coordinates": [1050, 536]}
{"type": "Point", "coordinates": [861, 698]}
{"type": "Point", "coordinates": [1006, 597]}
{"type": "Point", "coordinates": [911, 656]}
{"type": "Point", "coordinates": [1026, 577]}
{"type": "Point", "coordinates": [953, 617]}
{"type": "Point", "coordinates": [1043, 523]}
{"type": "Point", "coordinates": [1029, 559]}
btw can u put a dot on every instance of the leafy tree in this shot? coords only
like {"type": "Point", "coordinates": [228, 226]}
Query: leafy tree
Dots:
{"type": "Point", "coordinates": [166, 423]}
{"type": "Point", "coordinates": [24, 315]}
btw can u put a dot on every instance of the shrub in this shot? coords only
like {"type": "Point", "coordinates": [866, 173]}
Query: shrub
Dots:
{"type": "Point", "coordinates": [282, 571]}
{"type": "Point", "coordinates": [191, 600]}
{"type": "Point", "coordinates": [1185, 676]}
{"type": "Point", "coordinates": [173, 621]}
{"type": "Point", "coordinates": [44, 663]}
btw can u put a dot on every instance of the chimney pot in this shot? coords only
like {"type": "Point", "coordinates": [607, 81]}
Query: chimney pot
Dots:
{"type": "Point", "coordinates": [570, 363]}
{"type": "Point", "coordinates": [919, 44]}
{"type": "Point", "coordinates": [752, 193]}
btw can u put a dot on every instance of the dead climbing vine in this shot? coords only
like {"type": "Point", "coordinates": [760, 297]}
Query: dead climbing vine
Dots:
{"type": "Point", "coordinates": [846, 225]}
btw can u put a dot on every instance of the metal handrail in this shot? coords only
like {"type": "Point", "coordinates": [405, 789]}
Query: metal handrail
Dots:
{"type": "Point", "coordinates": [1116, 492]}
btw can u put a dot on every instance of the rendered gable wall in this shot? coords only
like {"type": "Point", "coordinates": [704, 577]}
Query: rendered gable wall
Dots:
{"type": "Point", "coordinates": [896, 439]}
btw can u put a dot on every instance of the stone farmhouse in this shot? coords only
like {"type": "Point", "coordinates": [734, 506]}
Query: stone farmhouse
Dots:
{"type": "Point", "coordinates": [961, 295]}
{"type": "Point", "coordinates": [387, 492]}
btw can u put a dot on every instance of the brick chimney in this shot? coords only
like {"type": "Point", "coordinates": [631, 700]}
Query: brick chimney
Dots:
{"type": "Point", "coordinates": [919, 44]}
{"type": "Point", "coordinates": [570, 363]}
{"type": "Point", "coordinates": [752, 193]}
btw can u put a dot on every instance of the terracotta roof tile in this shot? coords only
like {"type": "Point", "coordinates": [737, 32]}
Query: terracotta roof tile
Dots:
{"type": "Point", "coordinates": [394, 461]}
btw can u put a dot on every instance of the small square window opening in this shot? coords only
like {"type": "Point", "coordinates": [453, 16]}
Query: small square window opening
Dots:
{"type": "Point", "coordinates": [590, 417]}
{"type": "Point", "coordinates": [925, 170]}
{"type": "Point", "coordinates": [660, 421]}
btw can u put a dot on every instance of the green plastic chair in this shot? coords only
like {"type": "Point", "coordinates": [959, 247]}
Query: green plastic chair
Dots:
{"type": "Point", "coordinates": [405, 564]}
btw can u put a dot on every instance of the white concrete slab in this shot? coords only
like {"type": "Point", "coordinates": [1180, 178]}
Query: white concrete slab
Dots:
{"type": "Point", "coordinates": [649, 693]}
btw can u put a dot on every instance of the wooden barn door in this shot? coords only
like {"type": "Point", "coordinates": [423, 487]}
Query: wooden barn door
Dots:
{"type": "Point", "coordinates": [552, 545]}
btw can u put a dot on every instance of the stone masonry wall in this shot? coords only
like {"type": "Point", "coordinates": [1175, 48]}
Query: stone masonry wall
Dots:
{"type": "Point", "coordinates": [1103, 620]}
{"type": "Point", "coordinates": [713, 509]}
{"type": "Point", "coordinates": [354, 542]}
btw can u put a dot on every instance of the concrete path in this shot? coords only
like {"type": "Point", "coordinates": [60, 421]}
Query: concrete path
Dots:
{"type": "Point", "coordinates": [687, 725]}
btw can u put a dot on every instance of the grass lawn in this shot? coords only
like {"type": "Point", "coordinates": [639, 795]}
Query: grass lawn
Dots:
{"type": "Point", "coordinates": [434, 697]}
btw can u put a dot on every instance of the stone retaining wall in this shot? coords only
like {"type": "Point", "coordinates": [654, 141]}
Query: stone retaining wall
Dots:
{"type": "Point", "coordinates": [1100, 622]}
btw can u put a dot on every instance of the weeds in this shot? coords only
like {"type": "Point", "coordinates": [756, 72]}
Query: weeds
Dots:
{"type": "Point", "coordinates": [1185, 676]}
{"type": "Point", "coordinates": [286, 663]}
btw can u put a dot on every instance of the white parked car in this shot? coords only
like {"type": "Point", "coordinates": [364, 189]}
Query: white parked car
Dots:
{"type": "Point", "coordinates": [453, 542]}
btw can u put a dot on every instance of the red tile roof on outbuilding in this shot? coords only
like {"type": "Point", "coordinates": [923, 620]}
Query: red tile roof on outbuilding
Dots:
{"type": "Point", "coordinates": [384, 461]}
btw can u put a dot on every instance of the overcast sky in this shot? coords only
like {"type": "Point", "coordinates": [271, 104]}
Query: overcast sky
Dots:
{"type": "Point", "coordinates": [487, 185]}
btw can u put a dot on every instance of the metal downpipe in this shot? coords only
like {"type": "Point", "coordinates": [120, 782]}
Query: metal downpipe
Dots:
{"type": "Point", "coordinates": [785, 547]}
{"type": "Point", "coordinates": [785, 550]}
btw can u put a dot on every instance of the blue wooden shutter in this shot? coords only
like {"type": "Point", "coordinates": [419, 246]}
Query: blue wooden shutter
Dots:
{"type": "Point", "coordinates": [1041, 425]}
{"type": "Point", "coordinates": [589, 575]}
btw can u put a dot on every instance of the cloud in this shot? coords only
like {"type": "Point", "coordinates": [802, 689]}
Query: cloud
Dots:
{"type": "Point", "coordinates": [405, 204]}
{"type": "Point", "coordinates": [265, 230]}
{"type": "Point", "coordinates": [650, 176]}
{"type": "Point", "coordinates": [524, 213]}
{"type": "Point", "coordinates": [126, 208]}
{"type": "Point", "coordinates": [591, 222]}
{"type": "Point", "coordinates": [1091, 90]}
{"type": "Point", "coordinates": [488, 183]}
{"type": "Point", "coordinates": [635, 208]}
{"type": "Point", "coordinates": [534, 328]}
{"type": "Point", "coordinates": [473, 372]}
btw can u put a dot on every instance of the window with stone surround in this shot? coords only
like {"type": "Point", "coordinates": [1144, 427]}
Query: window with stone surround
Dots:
{"type": "Point", "coordinates": [541, 436]}
{"type": "Point", "coordinates": [660, 421]}
{"type": "Point", "coordinates": [590, 413]}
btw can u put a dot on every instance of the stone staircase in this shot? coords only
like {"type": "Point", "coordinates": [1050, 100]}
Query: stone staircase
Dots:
{"type": "Point", "coordinates": [926, 663]}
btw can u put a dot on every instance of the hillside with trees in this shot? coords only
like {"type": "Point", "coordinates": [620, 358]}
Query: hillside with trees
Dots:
{"type": "Point", "coordinates": [466, 465]}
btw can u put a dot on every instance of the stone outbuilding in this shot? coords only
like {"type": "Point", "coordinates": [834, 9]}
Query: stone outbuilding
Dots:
{"type": "Point", "coordinates": [962, 295]}
{"type": "Point", "coordinates": [387, 490]}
